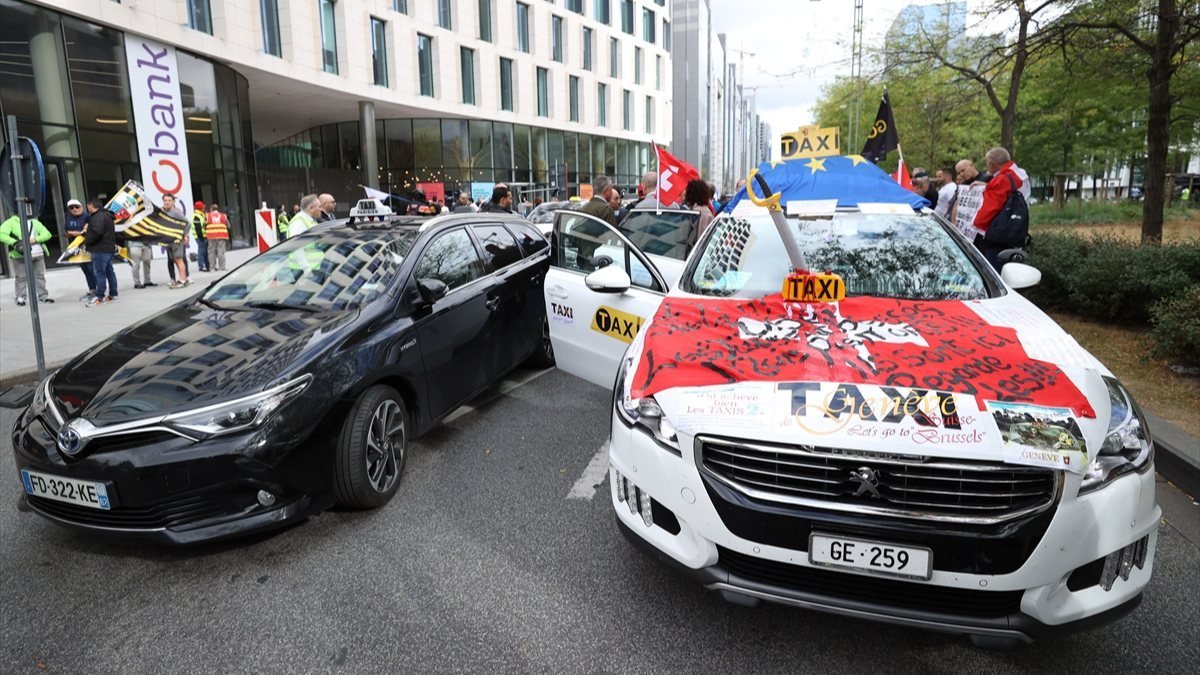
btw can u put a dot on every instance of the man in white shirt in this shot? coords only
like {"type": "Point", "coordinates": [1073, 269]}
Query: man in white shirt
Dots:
{"type": "Point", "coordinates": [947, 193]}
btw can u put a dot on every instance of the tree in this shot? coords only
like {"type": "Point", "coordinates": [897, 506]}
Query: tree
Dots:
{"type": "Point", "coordinates": [1159, 33]}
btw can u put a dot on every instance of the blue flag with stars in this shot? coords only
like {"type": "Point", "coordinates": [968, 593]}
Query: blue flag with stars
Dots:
{"type": "Point", "coordinates": [850, 179]}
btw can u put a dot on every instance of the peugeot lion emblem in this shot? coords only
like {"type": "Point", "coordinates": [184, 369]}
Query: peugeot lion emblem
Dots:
{"type": "Point", "coordinates": [70, 442]}
{"type": "Point", "coordinates": [867, 480]}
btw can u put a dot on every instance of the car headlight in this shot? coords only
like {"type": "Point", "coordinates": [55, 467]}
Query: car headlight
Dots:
{"type": "Point", "coordinates": [1127, 444]}
{"type": "Point", "coordinates": [240, 414]}
{"type": "Point", "coordinates": [643, 413]}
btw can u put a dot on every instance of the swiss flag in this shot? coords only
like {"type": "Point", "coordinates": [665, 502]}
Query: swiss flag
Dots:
{"type": "Point", "coordinates": [673, 177]}
{"type": "Point", "coordinates": [902, 176]}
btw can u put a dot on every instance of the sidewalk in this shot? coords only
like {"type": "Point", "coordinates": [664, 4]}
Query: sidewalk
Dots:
{"type": "Point", "coordinates": [69, 327]}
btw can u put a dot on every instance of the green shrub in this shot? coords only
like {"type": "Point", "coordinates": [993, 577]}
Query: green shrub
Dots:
{"type": "Point", "coordinates": [1176, 327]}
{"type": "Point", "coordinates": [1058, 256]}
{"type": "Point", "coordinates": [1096, 212]}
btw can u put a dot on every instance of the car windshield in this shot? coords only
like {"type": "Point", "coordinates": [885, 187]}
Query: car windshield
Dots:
{"type": "Point", "coordinates": [330, 270]}
{"type": "Point", "coordinates": [897, 256]}
{"type": "Point", "coordinates": [544, 213]}
{"type": "Point", "coordinates": [670, 234]}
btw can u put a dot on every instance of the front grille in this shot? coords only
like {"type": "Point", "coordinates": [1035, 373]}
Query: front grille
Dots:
{"type": "Point", "coordinates": [897, 485]}
{"type": "Point", "coordinates": [172, 514]}
{"type": "Point", "coordinates": [127, 441]}
{"type": "Point", "coordinates": [904, 595]}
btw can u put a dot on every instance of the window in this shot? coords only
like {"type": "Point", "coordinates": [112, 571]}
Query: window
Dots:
{"type": "Point", "coordinates": [666, 35]}
{"type": "Point", "coordinates": [580, 237]}
{"type": "Point", "coordinates": [649, 23]}
{"type": "Point", "coordinates": [587, 48]}
{"type": "Point", "coordinates": [499, 247]}
{"type": "Point", "coordinates": [445, 20]}
{"type": "Point", "coordinates": [556, 38]}
{"type": "Point", "coordinates": [604, 11]}
{"type": "Point", "coordinates": [614, 57]}
{"type": "Point", "coordinates": [269, 9]}
{"type": "Point", "coordinates": [649, 115]}
{"type": "Point", "coordinates": [379, 62]}
{"type": "Point", "coordinates": [467, 63]}
{"type": "Point", "coordinates": [637, 65]}
{"type": "Point", "coordinates": [485, 20]}
{"type": "Point", "coordinates": [627, 16]}
{"type": "Point", "coordinates": [451, 259]}
{"type": "Point", "coordinates": [425, 63]}
{"type": "Point", "coordinates": [574, 97]}
{"type": "Point", "coordinates": [575, 6]}
{"type": "Point", "coordinates": [658, 73]}
{"type": "Point", "coordinates": [601, 105]}
{"type": "Point", "coordinates": [627, 106]}
{"type": "Point", "coordinates": [506, 84]}
{"type": "Point", "coordinates": [543, 92]}
{"type": "Point", "coordinates": [328, 37]}
{"type": "Point", "coordinates": [523, 27]}
{"type": "Point", "coordinates": [200, 16]}
{"type": "Point", "coordinates": [400, 6]}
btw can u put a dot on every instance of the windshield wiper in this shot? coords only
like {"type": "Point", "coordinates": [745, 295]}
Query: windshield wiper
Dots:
{"type": "Point", "coordinates": [265, 304]}
{"type": "Point", "coordinates": [209, 303]}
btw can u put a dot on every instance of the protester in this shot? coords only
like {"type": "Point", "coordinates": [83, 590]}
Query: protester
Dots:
{"type": "Point", "coordinates": [464, 204]}
{"type": "Point", "coordinates": [648, 187]}
{"type": "Point", "coordinates": [199, 231]}
{"type": "Point", "coordinates": [27, 257]}
{"type": "Point", "coordinates": [101, 242]}
{"type": "Point", "coordinates": [1006, 176]}
{"type": "Point", "coordinates": [598, 205]}
{"type": "Point", "coordinates": [177, 263]}
{"type": "Point", "coordinates": [217, 233]}
{"type": "Point", "coordinates": [967, 173]}
{"type": "Point", "coordinates": [141, 255]}
{"type": "Point", "coordinates": [616, 203]}
{"type": "Point", "coordinates": [282, 221]}
{"type": "Point", "coordinates": [328, 206]}
{"type": "Point", "coordinates": [922, 187]}
{"type": "Point", "coordinates": [947, 193]}
{"type": "Point", "coordinates": [501, 201]}
{"type": "Point", "coordinates": [306, 217]}
{"type": "Point", "coordinates": [697, 197]}
{"type": "Point", "coordinates": [525, 207]}
{"type": "Point", "coordinates": [77, 220]}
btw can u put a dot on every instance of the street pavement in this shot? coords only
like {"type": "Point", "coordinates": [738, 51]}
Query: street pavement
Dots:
{"type": "Point", "coordinates": [498, 554]}
{"type": "Point", "coordinates": [69, 327]}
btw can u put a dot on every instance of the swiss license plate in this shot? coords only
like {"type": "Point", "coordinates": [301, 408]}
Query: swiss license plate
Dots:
{"type": "Point", "coordinates": [870, 556]}
{"type": "Point", "coordinates": [70, 490]}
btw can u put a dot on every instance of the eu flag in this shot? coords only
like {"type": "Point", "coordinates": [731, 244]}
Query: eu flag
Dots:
{"type": "Point", "coordinates": [882, 138]}
{"type": "Point", "coordinates": [851, 180]}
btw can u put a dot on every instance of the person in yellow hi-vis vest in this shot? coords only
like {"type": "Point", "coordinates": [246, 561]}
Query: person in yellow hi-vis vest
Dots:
{"type": "Point", "coordinates": [27, 256]}
{"type": "Point", "coordinates": [199, 225]}
{"type": "Point", "coordinates": [282, 220]}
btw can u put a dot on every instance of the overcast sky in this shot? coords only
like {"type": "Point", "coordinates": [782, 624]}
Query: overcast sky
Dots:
{"type": "Point", "coordinates": [798, 46]}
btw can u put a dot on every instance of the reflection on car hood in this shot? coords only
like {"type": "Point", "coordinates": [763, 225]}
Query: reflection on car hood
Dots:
{"type": "Point", "coordinates": [189, 356]}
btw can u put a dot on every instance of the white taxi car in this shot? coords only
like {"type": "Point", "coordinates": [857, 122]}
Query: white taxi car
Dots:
{"type": "Point", "coordinates": [919, 445]}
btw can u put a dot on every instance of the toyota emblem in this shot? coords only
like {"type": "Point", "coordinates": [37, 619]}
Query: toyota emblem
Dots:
{"type": "Point", "coordinates": [69, 441]}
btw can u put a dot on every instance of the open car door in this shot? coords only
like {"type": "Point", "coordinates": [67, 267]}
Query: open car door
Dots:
{"type": "Point", "coordinates": [599, 291]}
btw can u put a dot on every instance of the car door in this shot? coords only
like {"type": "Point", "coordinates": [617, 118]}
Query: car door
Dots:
{"type": "Point", "coordinates": [454, 331]}
{"type": "Point", "coordinates": [591, 330]}
{"type": "Point", "coordinates": [519, 291]}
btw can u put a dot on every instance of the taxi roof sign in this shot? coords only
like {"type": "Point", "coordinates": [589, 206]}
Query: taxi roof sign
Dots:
{"type": "Point", "coordinates": [809, 287]}
{"type": "Point", "coordinates": [370, 208]}
{"type": "Point", "coordinates": [810, 141]}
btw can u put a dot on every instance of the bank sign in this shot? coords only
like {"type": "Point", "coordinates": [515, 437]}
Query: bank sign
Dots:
{"type": "Point", "coordinates": [158, 117]}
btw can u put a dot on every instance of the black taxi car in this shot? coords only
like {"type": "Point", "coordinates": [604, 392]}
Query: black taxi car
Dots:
{"type": "Point", "coordinates": [295, 382]}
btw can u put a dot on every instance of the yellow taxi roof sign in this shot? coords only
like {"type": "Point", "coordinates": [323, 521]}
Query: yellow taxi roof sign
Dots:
{"type": "Point", "coordinates": [810, 287]}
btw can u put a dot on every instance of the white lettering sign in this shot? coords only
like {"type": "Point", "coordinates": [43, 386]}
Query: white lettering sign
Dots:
{"type": "Point", "coordinates": [970, 198]}
{"type": "Point", "coordinates": [159, 120]}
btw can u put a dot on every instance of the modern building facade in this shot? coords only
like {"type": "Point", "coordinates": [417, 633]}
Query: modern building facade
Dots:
{"type": "Point", "coordinates": [285, 97]}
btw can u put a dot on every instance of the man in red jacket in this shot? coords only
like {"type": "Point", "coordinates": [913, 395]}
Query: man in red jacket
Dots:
{"type": "Point", "coordinates": [1001, 167]}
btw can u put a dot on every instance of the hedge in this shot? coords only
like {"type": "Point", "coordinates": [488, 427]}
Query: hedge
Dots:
{"type": "Point", "coordinates": [1124, 283]}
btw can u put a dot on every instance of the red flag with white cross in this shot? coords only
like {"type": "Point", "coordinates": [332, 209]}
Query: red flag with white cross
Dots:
{"type": "Point", "coordinates": [673, 177]}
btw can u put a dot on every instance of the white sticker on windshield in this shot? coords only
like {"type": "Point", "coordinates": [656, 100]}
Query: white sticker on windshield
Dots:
{"type": "Point", "coordinates": [880, 208]}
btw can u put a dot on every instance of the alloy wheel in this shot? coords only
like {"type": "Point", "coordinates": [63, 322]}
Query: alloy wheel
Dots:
{"type": "Point", "coordinates": [385, 446]}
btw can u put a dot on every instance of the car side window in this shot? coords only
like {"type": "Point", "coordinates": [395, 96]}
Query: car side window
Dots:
{"type": "Point", "coordinates": [585, 245]}
{"type": "Point", "coordinates": [499, 247]}
{"type": "Point", "coordinates": [450, 258]}
{"type": "Point", "coordinates": [530, 238]}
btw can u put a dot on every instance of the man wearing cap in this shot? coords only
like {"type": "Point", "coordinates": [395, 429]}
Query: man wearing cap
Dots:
{"type": "Point", "coordinates": [77, 220]}
{"type": "Point", "coordinates": [199, 229]}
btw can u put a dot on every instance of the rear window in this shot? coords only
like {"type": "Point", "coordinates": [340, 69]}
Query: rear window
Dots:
{"type": "Point", "coordinates": [897, 256]}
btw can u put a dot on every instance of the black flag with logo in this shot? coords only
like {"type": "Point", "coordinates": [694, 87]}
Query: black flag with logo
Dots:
{"type": "Point", "coordinates": [882, 138]}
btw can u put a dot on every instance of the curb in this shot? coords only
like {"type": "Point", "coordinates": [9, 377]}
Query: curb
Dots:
{"type": "Point", "coordinates": [1176, 454]}
{"type": "Point", "coordinates": [27, 375]}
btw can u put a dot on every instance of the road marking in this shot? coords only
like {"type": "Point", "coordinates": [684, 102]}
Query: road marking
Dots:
{"type": "Point", "coordinates": [593, 475]}
{"type": "Point", "coordinates": [505, 387]}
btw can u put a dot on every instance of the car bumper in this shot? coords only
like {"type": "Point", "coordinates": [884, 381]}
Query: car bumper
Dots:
{"type": "Point", "coordinates": [171, 490]}
{"type": "Point", "coordinates": [1043, 595]}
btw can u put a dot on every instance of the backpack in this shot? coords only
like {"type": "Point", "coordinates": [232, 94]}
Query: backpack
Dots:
{"type": "Point", "coordinates": [1010, 227]}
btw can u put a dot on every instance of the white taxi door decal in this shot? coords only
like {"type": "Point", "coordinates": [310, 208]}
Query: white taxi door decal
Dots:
{"type": "Point", "coordinates": [589, 330]}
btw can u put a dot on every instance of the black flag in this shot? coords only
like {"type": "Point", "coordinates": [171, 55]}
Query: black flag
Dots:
{"type": "Point", "coordinates": [882, 138]}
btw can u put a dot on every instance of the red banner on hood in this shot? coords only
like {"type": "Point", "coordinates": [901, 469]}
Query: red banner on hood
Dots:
{"type": "Point", "coordinates": [937, 345]}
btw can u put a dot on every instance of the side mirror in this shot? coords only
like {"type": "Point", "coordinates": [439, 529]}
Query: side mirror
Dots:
{"type": "Point", "coordinates": [431, 290]}
{"type": "Point", "coordinates": [1019, 275]}
{"type": "Point", "coordinates": [610, 279]}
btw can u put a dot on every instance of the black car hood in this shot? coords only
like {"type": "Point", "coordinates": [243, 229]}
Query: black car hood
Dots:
{"type": "Point", "coordinates": [190, 355]}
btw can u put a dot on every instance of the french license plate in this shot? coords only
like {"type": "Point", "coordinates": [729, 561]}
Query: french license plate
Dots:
{"type": "Point", "coordinates": [70, 490]}
{"type": "Point", "coordinates": [870, 556]}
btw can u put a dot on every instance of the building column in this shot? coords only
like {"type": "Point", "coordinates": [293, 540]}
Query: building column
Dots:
{"type": "Point", "coordinates": [369, 151]}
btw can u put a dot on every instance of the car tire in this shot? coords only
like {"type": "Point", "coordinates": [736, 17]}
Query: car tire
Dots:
{"type": "Point", "coordinates": [543, 356]}
{"type": "Point", "coordinates": [372, 450]}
